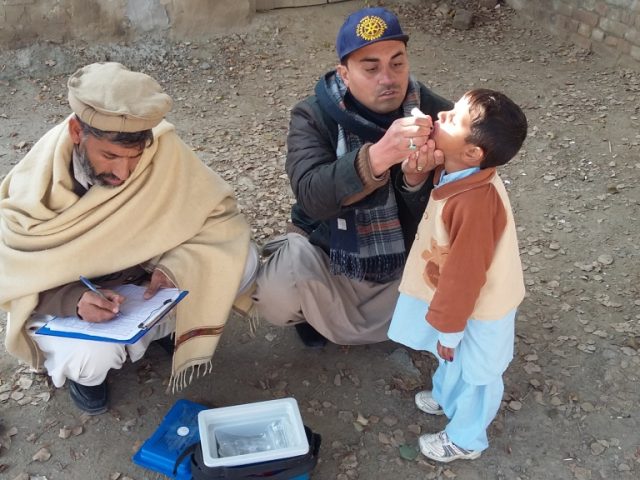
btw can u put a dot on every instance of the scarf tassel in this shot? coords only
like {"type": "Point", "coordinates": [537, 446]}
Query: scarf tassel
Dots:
{"type": "Point", "coordinates": [380, 269]}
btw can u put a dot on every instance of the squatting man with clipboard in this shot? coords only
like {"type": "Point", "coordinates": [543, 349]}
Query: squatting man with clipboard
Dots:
{"type": "Point", "coordinates": [112, 193]}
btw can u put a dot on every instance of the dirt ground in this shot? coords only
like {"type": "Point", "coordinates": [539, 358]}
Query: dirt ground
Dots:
{"type": "Point", "coordinates": [570, 408]}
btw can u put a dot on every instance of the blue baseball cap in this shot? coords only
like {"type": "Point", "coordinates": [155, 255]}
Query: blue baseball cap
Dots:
{"type": "Point", "coordinates": [365, 27]}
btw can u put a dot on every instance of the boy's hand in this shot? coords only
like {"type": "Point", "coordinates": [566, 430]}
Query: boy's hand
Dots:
{"type": "Point", "coordinates": [445, 353]}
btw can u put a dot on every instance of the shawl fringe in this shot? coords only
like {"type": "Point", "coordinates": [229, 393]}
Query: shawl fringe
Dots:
{"type": "Point", "coordinates": [183, 378]}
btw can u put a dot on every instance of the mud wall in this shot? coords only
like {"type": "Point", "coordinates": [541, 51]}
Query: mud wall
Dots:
{"type": "Point", "coordinates": [611, 28]}
{"type": "Point", "coordinates": [23, 22]}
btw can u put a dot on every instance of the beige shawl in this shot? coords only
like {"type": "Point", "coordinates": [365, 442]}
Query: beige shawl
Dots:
{"type": "Point", "coordinates": [173, 212]}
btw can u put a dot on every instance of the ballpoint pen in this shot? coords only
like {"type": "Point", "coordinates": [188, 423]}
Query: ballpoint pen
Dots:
{"type": "Point", "coordinates": [92, 287]}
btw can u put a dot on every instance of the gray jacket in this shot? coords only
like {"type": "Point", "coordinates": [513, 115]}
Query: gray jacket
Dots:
{"type": "Point", "coordinates": [326, 186]}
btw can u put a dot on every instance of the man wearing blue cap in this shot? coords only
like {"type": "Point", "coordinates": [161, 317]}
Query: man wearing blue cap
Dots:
{"type": "Point", "coordinates": [360, 164]}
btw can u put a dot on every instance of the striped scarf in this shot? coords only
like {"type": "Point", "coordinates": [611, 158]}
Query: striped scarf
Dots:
{"type": "Point", "coordinates": [367, 244]}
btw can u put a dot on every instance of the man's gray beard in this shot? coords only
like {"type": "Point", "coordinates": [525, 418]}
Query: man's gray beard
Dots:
{"type": "Point", "coordinates": [87, 168]}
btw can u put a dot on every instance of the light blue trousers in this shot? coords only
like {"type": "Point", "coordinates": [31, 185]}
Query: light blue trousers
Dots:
{"type": "Point", "coordinates": [470, 408]}
{"type": "Point", "coordinates": [469, 389]}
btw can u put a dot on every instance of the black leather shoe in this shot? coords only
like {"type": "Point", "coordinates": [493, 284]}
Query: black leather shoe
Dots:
{"type": "Point", "coordinates": [166, 343]}
{"type": "Point", "coordinates": [310, 336]}
{"type": "Point", "coordinates": [91, 400]}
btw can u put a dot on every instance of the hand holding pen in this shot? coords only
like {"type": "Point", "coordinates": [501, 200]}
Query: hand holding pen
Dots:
{"type": "Point", "coordinates": [98, 305]}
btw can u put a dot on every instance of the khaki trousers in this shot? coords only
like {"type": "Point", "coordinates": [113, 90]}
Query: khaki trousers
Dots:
{"type": "Point", "coordinates": [295, 285]}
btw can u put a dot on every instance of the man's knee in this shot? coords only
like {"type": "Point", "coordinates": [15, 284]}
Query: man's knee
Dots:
{"type": "Point", "coordinates": [89, 366]}
{"type": "Point", "coordinates": [276, 295]}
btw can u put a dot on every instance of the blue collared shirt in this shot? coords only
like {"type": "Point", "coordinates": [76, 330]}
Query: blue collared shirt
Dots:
{"type": "Point", "coordinates": [459, 175]}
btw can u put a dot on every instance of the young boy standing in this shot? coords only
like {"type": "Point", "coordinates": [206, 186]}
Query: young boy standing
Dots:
{"type": "Point", "coordinates": [463, 274]}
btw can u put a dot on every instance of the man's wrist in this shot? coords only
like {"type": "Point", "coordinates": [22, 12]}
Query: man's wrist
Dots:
{"type": "Point", "coordinates": [377, 170]}
{"type": "Point", "coordinates": [412, 182]}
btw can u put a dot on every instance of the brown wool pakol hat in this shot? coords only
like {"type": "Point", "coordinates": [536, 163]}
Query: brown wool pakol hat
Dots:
{"type": "Point", "coordinates": [110, 97]}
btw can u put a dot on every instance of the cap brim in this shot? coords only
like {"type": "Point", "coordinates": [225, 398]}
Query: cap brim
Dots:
{"type": "Point", "coordinates": [403, 38]}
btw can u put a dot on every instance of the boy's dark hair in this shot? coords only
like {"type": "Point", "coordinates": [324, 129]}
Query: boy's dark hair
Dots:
{"type": "Point", "coordinates": [498, 126]}
{"type": "Point", "coordinates": [142, 139]}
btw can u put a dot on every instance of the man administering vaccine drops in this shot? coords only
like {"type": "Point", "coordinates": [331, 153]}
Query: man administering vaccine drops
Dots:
{"type": "Point", "coordinates": [113, 194]}
{"type": "Point", "coordinates": [351, 149]}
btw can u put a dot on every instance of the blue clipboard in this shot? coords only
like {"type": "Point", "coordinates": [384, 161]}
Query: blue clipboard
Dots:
{"type": "Point", "coordinates": [138, 332]}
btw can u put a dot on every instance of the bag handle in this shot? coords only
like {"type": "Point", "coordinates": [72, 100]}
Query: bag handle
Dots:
{"type": "Point", "coordinates": [184, 454]}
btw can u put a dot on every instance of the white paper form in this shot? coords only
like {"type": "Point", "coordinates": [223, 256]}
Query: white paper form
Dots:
{"type": "Point", "coordinates": [134, 311]}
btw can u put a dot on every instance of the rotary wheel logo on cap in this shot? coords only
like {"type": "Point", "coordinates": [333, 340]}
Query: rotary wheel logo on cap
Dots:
{"type": "Point", "coordinates": [371, 28]}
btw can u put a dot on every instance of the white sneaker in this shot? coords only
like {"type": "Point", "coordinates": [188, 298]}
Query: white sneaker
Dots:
{"type": "Point", "coordinates": [428, 437]}
{"type": "Point", "coordinates": [440, 448]}
{"type": "Point", "coordinates": [426, 403]}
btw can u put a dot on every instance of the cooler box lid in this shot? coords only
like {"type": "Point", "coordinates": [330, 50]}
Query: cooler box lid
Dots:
{"type": "Point", "coordinates": [178, 430]}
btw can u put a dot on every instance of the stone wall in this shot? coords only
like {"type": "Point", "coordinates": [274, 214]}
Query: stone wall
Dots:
{"type": "Point", "coordinates": [23, 22]}
{"type": "Point", "coordinates": [272, 4]}
{"type": "Point", "coordinates": [610, 28]}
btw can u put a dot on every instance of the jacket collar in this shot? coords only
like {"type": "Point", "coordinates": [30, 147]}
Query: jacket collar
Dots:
{"type": "Point", "coordinates": [472, 181]}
